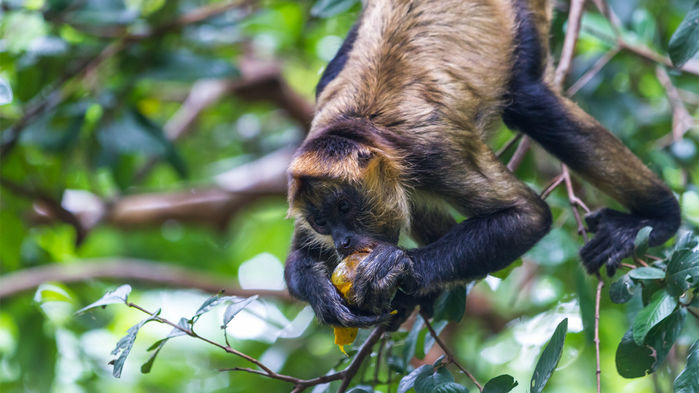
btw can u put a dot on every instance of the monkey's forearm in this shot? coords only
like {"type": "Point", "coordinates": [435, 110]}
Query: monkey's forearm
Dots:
{"type": "Point", "coordinates": [479, 246]}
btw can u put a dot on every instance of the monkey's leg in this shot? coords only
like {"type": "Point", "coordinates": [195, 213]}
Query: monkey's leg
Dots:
{"type": "Point", "coordinates": [506, 219]}
{"type": "Point", "coordinates": [430, 219]}
{"type": "Point", "coordinates": [578, 140]}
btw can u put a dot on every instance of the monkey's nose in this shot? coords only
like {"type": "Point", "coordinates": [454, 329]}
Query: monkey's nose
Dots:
{"type": "Point", "coordinates": [344, 244]}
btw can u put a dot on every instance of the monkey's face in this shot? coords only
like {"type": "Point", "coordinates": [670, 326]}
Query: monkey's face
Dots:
{"type": "Point", "coordinates": [345, 216]}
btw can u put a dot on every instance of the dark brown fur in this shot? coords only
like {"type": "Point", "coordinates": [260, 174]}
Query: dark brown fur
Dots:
{"type": "Point", "coordinates": [404, 121]}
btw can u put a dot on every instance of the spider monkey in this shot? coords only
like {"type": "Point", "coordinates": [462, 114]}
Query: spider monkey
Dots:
{"type": "Point", "coordinates": [403, 111]}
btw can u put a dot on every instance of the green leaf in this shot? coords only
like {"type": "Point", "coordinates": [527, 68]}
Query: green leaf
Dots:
{"type": "Point", "coordinates": [505, 272]}
{"type": "Point", "coordinates": [640, 244]}
{"type": "Point", "coordinates": [407, 382]}
{"type": "Point", "coordinates": [450, 305]}
{"type": "Point", "coordinates": [119, 295]}
{"type": "Point", "coordinates": [688, 380]}
{"type": "Point", "coordinates": [209, 304]}
{"type": "Point", "coordinates": [549, 358]}
{"type": "Point", "coordinates": [500, 384]}
{"type": "Point", "coordinates": [411, 341]}
{"type": "Point", "coordinates": [643, 24]}
{"type": "Point", "coordinates": [647, 273]}
{"type": "Point", "coordinates": [449, 387]}
{"type": "Point", "coordinates": [686, 240]}
{"type": "Point", "coordinates": [54, 132]}
{"type": "Point", "coordinates": [633, 360]}
{"type": "Point", "coordinates": [47, 292]}
{"type": "Point", "coordinates": [682, 271]}
{"type": "Point", "coordinates": [185, 66]}
{"type": "Point", "coordinates": [170, 153]}
{"type": "Point", "coordinates": [427, 382]}
{"type": "Point", "coordinates": [158, 345]}
{"type": "Point", "coordinates": [5, 92]}
{"type": "Point", "coordinates": [684, 42]}
{"type": "Point", "coordinates": [328, 8]}
{"type": "Point", "coordinates": [124, 345]}
{"type": "Point", "coordinates": [103, 12]}
{"type": "Point", "coordinates": [233, 310]}
{"type": "Point", "coordinates": [663, 335]}
{"type": "Point", "coordinates": [622, 290]}
{"type": "Point", "coordinates": [361, 389]}
{"type": "Point", "coordinates": [661, 305]}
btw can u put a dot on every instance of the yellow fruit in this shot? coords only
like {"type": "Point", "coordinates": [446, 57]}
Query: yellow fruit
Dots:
{"type": "Point", "coordinates": [342, 278]}
{"type": "Point", "coordinates": [344, 336]}
{"type": "Point", "coordinates": [343, 275]}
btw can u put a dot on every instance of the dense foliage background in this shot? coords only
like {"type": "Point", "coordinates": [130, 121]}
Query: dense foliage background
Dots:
{"type": "Point", "coordinates": [145, 142]}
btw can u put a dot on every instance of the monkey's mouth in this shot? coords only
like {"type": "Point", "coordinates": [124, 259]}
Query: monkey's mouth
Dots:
{"type": "Point", "coordinates": [366, 249]}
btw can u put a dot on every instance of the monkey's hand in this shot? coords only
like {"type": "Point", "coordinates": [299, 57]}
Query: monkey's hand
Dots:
{"type": "Point", "coordinates": [379, 276]}
{"type": "Point", "coordinates": [308, 279]}
{"type": "Point", "coordinates": [331, 308]}
{"type": "Point", "coordinates": [615, 233]}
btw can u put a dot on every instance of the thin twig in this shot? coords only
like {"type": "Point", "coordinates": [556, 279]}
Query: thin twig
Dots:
{"type": "Point", "coordinates": [694, 313]}
{"type": "Point", "coordinates": [519, 154]}
{"type": "Point", "coordinates": [300, 385]}
{"type": "Point", "coordinates": [49, 203]}
{"type": "Point", "coordinates": [682, 121]}
{"type": "Point", "coordinates": [364, 351]}
{"type": "Point", "coordinates": [571, 37]}
{"type": "Point", "coordinates": [598, 296]}
{"type": "Point", "coordinates": [509, 144]}
{"type": "Point", "coordinates": [589, 74]}
{"type": "Point", "coordinates": [640, 50]}
{"type": "Point", "coordinates": [450, 358]}
{"type": "Point", "coordinates": [228, 349]}
{"type": "Point", "coordinates": [575, 202]}
{"type": "Point", "coordinates": [345, 375]}
{"type": "Point", "coordinates": [557, 181]}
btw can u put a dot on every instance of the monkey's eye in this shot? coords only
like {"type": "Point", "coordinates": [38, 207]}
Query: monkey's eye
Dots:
{"type": "Point", "coordinates": [319, 221]}
{"type": "Point", "coordinates": [343, 207]}
{"type": "Point", "coordinates": [319, 224]}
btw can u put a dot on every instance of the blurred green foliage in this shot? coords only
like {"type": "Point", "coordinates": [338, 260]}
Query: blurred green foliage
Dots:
{"type": "Point", "coordinates": [97, 124]}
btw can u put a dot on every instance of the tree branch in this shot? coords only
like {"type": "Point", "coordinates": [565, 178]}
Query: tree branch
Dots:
{"type": "Point", "coordinates": [159, 273]}
{"type": "Point", "coordinates": [448, 354]}
{"type": "Point", "coordinates": [571, 37]}
{"type": "Point", "coordinates": [300, 385]}
{"type": "Point", "coordinates": [682, 121]}
{"type": "Point", "coordinates": [589, 74]}
{"type": "Point", "coordinates": [598, 297]}
{"type": "Point", "coordinates": [46, 203]}
{"type": "Point", "coordinates": [691, 66]}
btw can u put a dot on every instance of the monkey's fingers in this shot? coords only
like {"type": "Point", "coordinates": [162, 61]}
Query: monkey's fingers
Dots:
{"type": "Point", "coordinates": [334, 311]}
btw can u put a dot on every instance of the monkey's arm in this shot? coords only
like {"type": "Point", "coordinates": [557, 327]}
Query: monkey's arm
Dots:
{"type": "Point", "coordinates": [307, 274]}
{"type": "Point", "coordinates": [507, 218]}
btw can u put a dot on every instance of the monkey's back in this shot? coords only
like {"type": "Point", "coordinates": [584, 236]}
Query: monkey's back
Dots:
{"type": "Point", "coordinates": [415, 61]}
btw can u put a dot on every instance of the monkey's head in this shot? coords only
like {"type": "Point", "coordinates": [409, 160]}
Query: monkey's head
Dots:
{"type": "Point", "coordinates": [345, 189]}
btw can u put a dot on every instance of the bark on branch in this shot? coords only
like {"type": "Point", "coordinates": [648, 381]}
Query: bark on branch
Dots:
{"type": "Point", "coordinates": [125, 270]}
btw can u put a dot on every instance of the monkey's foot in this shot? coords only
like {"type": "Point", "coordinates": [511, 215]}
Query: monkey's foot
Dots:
{"type": "Point", "coordinates": [615, 233]}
